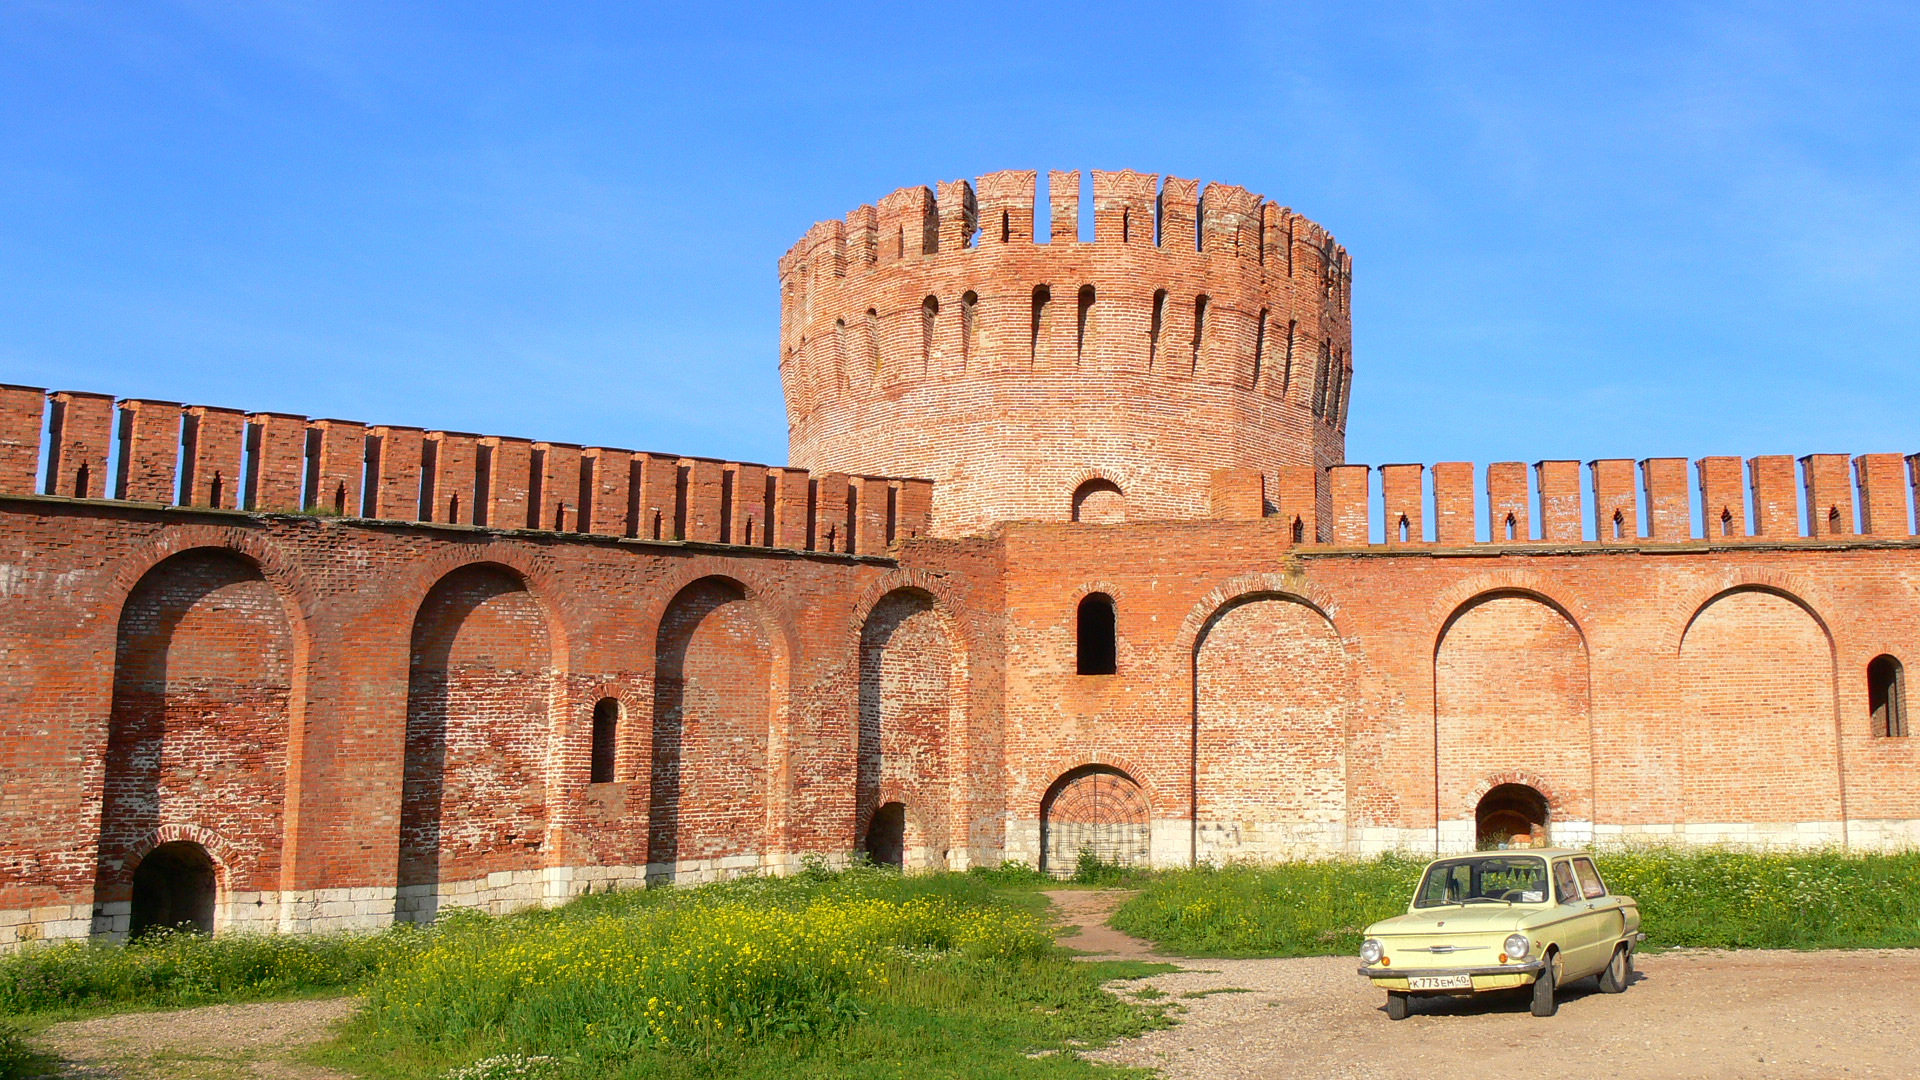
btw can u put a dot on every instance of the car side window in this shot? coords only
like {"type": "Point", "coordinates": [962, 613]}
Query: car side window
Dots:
{"type": "Point", "coordinates": [1590, 884]}
{"type": "Point", "coordinates": [1565, 889]}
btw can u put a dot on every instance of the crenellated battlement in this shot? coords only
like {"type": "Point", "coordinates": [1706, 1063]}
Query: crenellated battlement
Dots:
{"type": "Point", "coordinates": [1613, 501]}
{"type": "Point", "coordinates": [949, 330]}
{"type": "Point", "coordinates": [92, 446]}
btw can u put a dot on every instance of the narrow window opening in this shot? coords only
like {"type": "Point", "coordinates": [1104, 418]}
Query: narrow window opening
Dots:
{"type": "Point", "coordinates": [606, 731]}
{"type": "Point", "coordinates": [1199, 327]}
{"type": "Point", "coordinates": [1042, 295]}
{"type": "Point", "coordinates": [929, 313]}
{"type": "Point", "coordinates": [1320, 378]}
{"type": "Point", "coordinates": [1619, 525]}
{"type": "Point", "coordinates": [1095, 635]}
{"type": "Point", "coordinates": [1404, 528]}
{"type": "Point", "coordinates": [1833, 521]}
{"type": "Point", "coordinates": [1158, 322]}
{"type": "Point", "coordinates": [214, 491]}
{"type": "Point", "coordinates": [1126, 225]}
{"type": "Point", "coordinates": [838, 375]}
{"type": "Point", "coordinates": [1259, 346]}
{"type": "Point", "coordinates": [1080, 323]}
{"type": "Point", "coordinates": [1286, 367]}
{"type": "Point", "coordinates": [900, 242]}
{"type": "Point", "coordinates": [1726, 522]}
{"type": "Point", "coordinates": [873, 339]}
{"type": "Point", "coordinates": [559, 517]}
{"type": "Point", "coordinates": [1006, 226]}
{"type": "Point", "coordinates": [968, 301]}
{"type": "Point", "coordinates": [1887, 696]}
{"type": "Point", "coordinates": [453, 509]}
{"type": "Point", "coordinates": [1299, 531]}
{"type": "Point", "coordinates": [340, 499]}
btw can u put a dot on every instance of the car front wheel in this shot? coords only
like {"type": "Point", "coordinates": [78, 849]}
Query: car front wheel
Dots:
{"type": "Point", "coordinates": [1619, 971]}
{"type": "Point", "coordinates": [1544, 986]}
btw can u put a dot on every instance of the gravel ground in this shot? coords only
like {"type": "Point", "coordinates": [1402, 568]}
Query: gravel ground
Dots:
{"type": "Point", "coordinates": [1693, 1013]}
{"type": "Point", "coordinates": [216, 1042]}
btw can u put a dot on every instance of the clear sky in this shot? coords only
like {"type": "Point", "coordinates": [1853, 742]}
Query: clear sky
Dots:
{"type": "Point", "coordinates": [1579, 230]}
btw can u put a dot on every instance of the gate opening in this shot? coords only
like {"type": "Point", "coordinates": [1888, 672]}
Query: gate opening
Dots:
{"type": "Point", "coordinates": [887, 835]}
{"type": "Point", "coordinates": [1093, 813]}
{"type": "Point", "coordinates": [1512, 816]}
{"type": "Point", "coordinates": [173, 888]}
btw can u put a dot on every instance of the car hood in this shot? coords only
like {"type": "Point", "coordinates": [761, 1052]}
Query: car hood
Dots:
{"type": "Point", "coordinates": [1471, 919]}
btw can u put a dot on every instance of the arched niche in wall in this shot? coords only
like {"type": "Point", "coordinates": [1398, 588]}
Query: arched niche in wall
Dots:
{"type": "Point", "coordinates": [717, 686]}
{"type": "Point", "coordinates": [204, 669]}
{"type": "Point", "coordinates": [1758, 744]}
{"type": "Point", "coordinates": [911, 705]}
{"type": "Point", "coordinates": [1099, 501]}
{"type": "Point", "coordinates": [1512, 691]}
{"type": "Point", "coordinates": [479, 700]}
{"type": "Point", "coordinates": [1270, 688]}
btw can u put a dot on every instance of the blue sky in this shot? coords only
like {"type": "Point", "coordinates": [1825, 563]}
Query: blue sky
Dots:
{"type": "Point", "coordinates": [1579, 230]}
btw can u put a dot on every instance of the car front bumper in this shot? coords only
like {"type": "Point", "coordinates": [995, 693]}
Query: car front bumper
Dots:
{"type": "Point", "coordinates": [1495, 977]}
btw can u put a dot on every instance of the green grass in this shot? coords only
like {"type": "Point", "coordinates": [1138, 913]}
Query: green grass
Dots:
{"type": "Point", "coordinates": [15, 1058]}
{"type": "Point", "coordinates": [1707, 898]}
{"type": "Point", "coordinates": [855, 974]}
{"type": "Point", "coordinates": [173, 969]}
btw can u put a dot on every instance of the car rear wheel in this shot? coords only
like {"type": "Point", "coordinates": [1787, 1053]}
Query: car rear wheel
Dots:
{"type": "Point", "coordinates": [1397, 1004]}
{"type": "Point", "coordinates": [1544, 1003]}
{"type": "Point", "coordinates": [1619, 971]}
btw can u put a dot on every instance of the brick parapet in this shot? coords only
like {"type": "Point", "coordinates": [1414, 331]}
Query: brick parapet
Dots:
{"type": "Point", "coordinates": [166, 453]}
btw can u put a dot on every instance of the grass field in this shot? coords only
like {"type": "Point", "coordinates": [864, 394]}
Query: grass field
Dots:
{"type": "Point", "coordinates": [850, 974]}
{"type": "Point", "coordinates": [1710, 898]}
{"type": "Point", "coordinates": [864, 973]}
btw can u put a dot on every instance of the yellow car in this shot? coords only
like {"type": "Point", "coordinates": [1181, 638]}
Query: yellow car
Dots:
{"type": "Point", "coordinates": [1502, 920]}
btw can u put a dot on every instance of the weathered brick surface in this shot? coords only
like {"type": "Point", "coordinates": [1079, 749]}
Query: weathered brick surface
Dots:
{"type": "Point", "coordinates": [386, 704]}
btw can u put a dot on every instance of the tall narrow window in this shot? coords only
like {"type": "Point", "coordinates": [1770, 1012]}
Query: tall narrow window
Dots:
{"type": "Point", "coordinates": [1619, 525]}
{"type": "Point", "coordinates": [929, 314]}
{"type": "Point", "coordinates": [1299, 531]}
{"type": "Point", "coordinates": [1094, 635]}
{"type": "Point", "coordinates": [606, 741]}
{"type": "Point", "coordinates": [1259, 346]}
{"type": "Point", "coordinates": [1126, 225]}
{"type": "Point", "coordinates": [1159, 322]}
{"type": "Point", "coordinates": [1042, 296]}
{"type": "Point", "coordinates": [1726, 521]}
{"type": "Point", "coordinates": [1320, 376]}
{"type": "Point", "coordinates": [968, 301]}
{"type": "Point", "coordinates": [1006, 226]}
{"type": "Point", "coordinates": [1286, 367]}
{"type": "Point", "coordinates": [1081, 322]}
{"type": "Point", "coordinates": [837, 378]}
{"type": "Point", "coordinates": [1199, 327]}
{"type": "Point", "coordinates": [873, 339]}
{"type": "Point", "coordinates": [1887, 696]}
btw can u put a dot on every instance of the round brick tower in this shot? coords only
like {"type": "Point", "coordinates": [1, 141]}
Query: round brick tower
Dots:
{"type": "Point", "coordinates": [934, 336]}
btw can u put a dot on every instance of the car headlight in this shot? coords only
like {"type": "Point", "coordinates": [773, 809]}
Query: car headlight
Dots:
{"type": "Point", "coordinates": [1371, 951]}
{"type": "Point", "coordinates": [1516, 946]}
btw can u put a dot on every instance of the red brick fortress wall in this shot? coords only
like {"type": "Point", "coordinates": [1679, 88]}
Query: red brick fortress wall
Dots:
{"type": "Point", "coordinates": [1200, 329]}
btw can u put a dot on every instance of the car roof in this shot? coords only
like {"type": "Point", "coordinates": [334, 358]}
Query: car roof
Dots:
{"type": "Point", "coordinates": [1543, 852]}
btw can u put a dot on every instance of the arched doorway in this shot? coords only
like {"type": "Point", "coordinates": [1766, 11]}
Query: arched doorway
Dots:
{"type": "Point", "coordinates": [1511, 815]}
{"type": "Point", "coordinates": [173, 888]}
{"type": "Point", "coordinates": [1093, 810]}
{"type": "Point", "coordinates": [887, 836]}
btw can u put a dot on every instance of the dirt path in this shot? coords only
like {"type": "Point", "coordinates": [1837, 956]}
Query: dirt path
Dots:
{"type": "Point", "coordinates": [215, 1042]}
{"type": "Point", "coordinates": [1759, 1014]}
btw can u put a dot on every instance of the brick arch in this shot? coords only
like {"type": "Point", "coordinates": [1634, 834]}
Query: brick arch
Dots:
{"type": "Point", "coordinates": [1122, 832]}
{"type": "Point", "coordinates": [759, 587]}
{"type": "Point", "coordinates": [1082, 477]}
{"type": "Point", "coordinates": [1056, 765]}
{"type": "Point", "coordinates": [959, 617]}
{"type": "Point", "coordinates": [905, 740]}
{"type": "Point", "coordinates": [546, 588]}
{"type": "Point", "coordinates": [1789, 587]}
{"type": "Point", "coordinates": [1454, 601]}
{"type": "Point", "coordinates": [1479, 788]}
{"type": "Point", "coordinates": [279, 569]}
{"type": "Point", "coordinates": [1245, 587]}
{"type": "Point", "coordinates": [222, 851]}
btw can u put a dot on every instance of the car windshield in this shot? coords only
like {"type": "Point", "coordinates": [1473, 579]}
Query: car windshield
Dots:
{"type": "Point", "coordinates": [1484, 879]}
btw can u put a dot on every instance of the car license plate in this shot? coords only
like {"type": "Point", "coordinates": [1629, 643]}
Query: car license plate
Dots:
{"type": "Point", "coordinates": [1440, 982]}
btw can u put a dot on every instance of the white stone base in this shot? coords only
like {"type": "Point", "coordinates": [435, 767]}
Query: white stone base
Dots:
{"type": "Point", "coordinates": [57, 922]}
{"type": "Point", "coordinates": [1268, 841]}
{"type": "Point", "coordinates": [1791, 835]}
